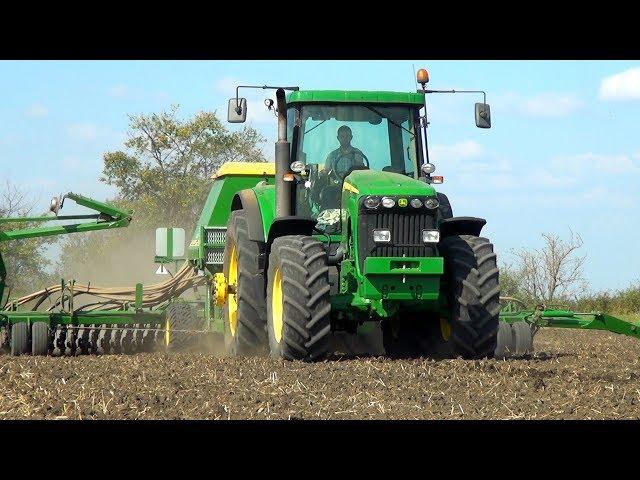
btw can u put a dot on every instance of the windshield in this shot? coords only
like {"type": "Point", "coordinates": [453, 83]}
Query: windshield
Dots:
{"type": "Point", "coordinates": [385, 135]}
{"type": "Point", "coordinates": [332, 140]}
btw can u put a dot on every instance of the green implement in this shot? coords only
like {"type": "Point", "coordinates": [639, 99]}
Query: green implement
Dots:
{"type": "Point", "coordinates": [107, 217]}
{"type": "Point", "coordinates": [519, 324]}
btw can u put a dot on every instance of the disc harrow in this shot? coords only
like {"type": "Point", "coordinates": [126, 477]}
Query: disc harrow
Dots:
{"type": "Point", "coordinates": [105, 339]}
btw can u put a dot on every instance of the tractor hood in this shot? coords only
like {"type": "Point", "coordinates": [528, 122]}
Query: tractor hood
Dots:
{"type": "Point", "coordinates": [376, 182]}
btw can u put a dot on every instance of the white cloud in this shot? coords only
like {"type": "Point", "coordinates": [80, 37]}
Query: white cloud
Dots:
{"type": "Point", "coordinates": [587, 163]}
{"type": "Point", "coordinates": [83, 131]}
{"type": "Point", "coordinates": [44, 182]}
{"type": "Point", "coordinates": [545, 178]}
{"type": "Point", "coordinates": [550, 105]}
{"type": "Point", "coordinates": [37, 110]}
{"type": "Point", "coordinates": [119, 91]}
{"type": "Point", "coordinates": [227, 85]}
{"type": "Point", "coordinates": [545, 104]}
{"type": "Point", "coordinates": [461, 150]}
{"type": "Point", "coordinates": [621, 86]}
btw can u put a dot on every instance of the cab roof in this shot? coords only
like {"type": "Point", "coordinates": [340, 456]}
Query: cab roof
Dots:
{"type": "Point", "coordinates": [354, 96]}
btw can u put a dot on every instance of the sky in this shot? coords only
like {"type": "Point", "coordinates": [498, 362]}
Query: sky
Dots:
{"type": "Point", "coordinates": [563, 153]}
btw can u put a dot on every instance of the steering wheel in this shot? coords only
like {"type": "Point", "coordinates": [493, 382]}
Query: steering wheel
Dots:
{"type": "Point", "coordinates": [340, 168]}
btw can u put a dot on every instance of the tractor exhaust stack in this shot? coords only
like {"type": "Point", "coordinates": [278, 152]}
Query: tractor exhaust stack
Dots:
{"type": "Point", "coordinates": [282, 160]}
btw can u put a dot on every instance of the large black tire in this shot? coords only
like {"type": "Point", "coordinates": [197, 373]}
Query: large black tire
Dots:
{"type": "Point", "coordinates": [298, 302]}
{"type": "Point", "coordinates": [471, 274]}
{"type": "Point", "coordinates": [181, 316]}
{"type": "Point", "coordinates": [40, 338]}
{"type": "Point", "coordinates": [20, 338]}
{"type": "Point", "coordinates": [245, 311]}
{"type": "Point", "coordinates": [445, 206]}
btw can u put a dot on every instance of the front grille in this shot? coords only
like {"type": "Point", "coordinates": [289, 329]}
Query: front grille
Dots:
{"type": "Point", "coordinates": [406, 233]}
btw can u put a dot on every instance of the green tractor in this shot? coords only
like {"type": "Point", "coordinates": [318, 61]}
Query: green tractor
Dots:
{"type": "Point", "coordinates": [350, 235]}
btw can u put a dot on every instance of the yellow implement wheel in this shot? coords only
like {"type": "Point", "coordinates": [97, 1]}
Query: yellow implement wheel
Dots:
{"type": "Point", "coordinates": [276, 306]}
{"type": "Point", "coordinates": [445, 329]}
{"type": "Point", "coordinates": [180, 326]}
{"type": "Point", "coordinates": [220, 290]}
{"type": "Point", "coordinates": [232, 300]}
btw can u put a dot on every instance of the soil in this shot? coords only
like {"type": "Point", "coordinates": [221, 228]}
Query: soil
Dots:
{"type": "Point", "coordinates": [573, 375]}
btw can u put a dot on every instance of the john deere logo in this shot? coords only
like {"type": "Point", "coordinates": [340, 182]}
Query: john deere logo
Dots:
{"type": "Point", "coordinates": [403, 202]}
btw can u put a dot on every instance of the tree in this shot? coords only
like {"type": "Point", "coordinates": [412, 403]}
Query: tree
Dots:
{"type": "Point", "coordinates": [25, 260]}
{"type": "Point", "coordinates": [166, 172]}
{"type": "Point", "coordinates": [164, 175]}
{"type": "Point", "coordinates": [554, 272]}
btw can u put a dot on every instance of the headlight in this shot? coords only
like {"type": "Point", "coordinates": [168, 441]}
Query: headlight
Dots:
{"type": "Point", "coordinates": [430, 236]}
{"type": "Point", "coordinates": [428, 168]}
{"type": "Point", "coordinates": [372, 202]}
{"type": "Point", "coordinates": [388, 202]}
{"type": "Point", "coordinates": [432, 203]}
{"type": "Point", "coordinates": [382, 236]}
{"type": "Point", "coordinates": [416, 203]}
{"type": "Point", "coordinates": [297, 166]}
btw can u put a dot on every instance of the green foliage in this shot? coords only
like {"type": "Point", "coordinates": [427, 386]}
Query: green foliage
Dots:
{"type": "Point", "coordinates": [25, 260]}
{"type": "Point", "coordinates": [163, 174]}
{"type": "Point", "coordinates": [624, 301]}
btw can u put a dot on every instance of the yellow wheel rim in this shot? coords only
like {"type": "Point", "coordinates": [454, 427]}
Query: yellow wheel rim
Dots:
{"type": "Point", "coordinates": [276, 305]}
{"type": "Point", "coordinates": [232, 299]}
{"type": "Point", "coordinates": [445, 329]}
{"type": "Point", "coordinates": [167, 333]}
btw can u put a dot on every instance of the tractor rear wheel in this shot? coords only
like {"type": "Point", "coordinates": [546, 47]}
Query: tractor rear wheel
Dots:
{"type": "Point", "coordinates": [40, 338]}
{"type": "Point", "coordinates": [180, 316]}
{"type": "Point", "coordinates": [445, 206]}
{"type": "Point", "coordinates": [298, 302]}
{"type": "Point", "coordinates": [20, 338]}
{"type": "Point", "coordinates": [471, 273]}
{"type": "Point", "coordinates": [245, 310]}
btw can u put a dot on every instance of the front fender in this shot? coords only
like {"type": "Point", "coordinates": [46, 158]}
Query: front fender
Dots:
{"type": "Point", "coordinates": [461, 226]}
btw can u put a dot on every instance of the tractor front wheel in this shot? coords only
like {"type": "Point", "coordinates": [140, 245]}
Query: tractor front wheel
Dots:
{"type": "Point", "coordinates": [471, 273]}
{"type": "Point", "coordinates": [298, 303]}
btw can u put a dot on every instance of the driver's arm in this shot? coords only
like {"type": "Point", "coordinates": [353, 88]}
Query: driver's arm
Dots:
{"type": "Point", "coordinates": [328, 163]}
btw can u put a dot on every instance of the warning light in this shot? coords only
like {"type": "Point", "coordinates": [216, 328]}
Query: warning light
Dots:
{"type": "Point", "coordinates": [422, 76]}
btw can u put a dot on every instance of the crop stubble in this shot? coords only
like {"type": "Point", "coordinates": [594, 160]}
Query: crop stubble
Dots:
{"type": "Point", "coordinates": [572, 375]}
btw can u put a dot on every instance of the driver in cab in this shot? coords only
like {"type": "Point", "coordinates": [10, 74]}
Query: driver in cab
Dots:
{"type": "Point", "coordinates": [345, 153]}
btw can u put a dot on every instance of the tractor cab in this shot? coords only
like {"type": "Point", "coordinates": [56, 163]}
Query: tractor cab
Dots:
{"type": "Point", "coordinates": [329, 140]}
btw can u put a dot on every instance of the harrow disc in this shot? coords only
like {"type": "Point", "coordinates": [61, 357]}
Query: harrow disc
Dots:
{"type": "Point", "coordinates": [20, 338]}
{"type": "Point", "coordinates": [40, 338]}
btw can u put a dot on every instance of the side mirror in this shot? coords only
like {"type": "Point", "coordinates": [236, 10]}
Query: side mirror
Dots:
{"type": "Point", "coordinates": [237, 112]}
{"type": "Point", "coordinates": [483, 115]}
